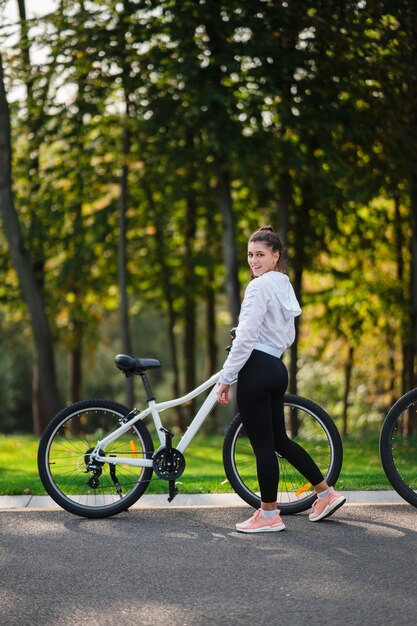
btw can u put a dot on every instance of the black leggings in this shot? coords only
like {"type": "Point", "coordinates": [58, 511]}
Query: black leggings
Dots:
{"type": "Point", "coordinates": [261, 386]}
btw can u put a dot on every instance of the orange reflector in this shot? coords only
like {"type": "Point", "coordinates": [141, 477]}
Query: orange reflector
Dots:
{"type": "Point", "coordinates": [133, 448]}
{"type": "Point", "coordinates": [302, 489]}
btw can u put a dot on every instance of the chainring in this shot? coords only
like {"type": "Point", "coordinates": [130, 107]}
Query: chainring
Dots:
{"type": "Point", "coordinates": [168, 464]}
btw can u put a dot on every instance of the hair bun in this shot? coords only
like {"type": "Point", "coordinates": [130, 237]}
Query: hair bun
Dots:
{"type": "Point", "coordinates": [268, 229]}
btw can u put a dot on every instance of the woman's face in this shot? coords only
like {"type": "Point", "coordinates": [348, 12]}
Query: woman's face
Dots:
{"type": "Point", "coordinates": [261, 259]}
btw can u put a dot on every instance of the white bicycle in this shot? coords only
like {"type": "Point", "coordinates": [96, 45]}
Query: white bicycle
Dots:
{"type": "Point", "coordinates": [96, 457]}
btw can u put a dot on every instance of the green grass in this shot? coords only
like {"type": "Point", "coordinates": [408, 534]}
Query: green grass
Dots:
{"type": "Point", "coordinates": [361, 464]}
{"type": "Point", "coordinates": [204, 472]}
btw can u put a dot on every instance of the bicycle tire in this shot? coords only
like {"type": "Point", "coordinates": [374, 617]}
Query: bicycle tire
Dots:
{"type": "Point", "coordinates": [398, 447]}
{"type": "Point", "coordinates": [317, 433]}
{"type": "Point", "coordinates": [63, 454]}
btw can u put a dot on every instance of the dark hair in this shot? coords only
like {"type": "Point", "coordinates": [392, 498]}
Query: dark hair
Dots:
{"type": "Point", "coordinates": [266, 235]}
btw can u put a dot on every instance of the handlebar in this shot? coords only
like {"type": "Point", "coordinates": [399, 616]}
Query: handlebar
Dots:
{"type": "Point", "coordinates": [233, 336]}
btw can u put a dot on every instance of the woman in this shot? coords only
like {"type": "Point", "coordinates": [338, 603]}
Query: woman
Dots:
{"type": "Point", "coordinates": [265, 330]}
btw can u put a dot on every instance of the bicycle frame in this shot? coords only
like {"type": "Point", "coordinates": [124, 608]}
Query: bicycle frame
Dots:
{"type": "Point", "coordinates": [154, 409]}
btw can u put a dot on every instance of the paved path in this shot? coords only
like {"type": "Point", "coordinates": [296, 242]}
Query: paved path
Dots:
{"type": "Point", "coordinates": [194, 500]}
{"type": "Point", "coordinates": [189, 567]}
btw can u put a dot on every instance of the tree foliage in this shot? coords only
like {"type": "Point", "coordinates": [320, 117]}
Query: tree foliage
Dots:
{"type": "Point", "coordinates": [171, 130]}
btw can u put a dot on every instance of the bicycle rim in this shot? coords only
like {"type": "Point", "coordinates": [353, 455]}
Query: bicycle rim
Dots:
{"type": "Point", "coordinates": [64, 454]}
{"type": "Point", "coordinates": [398, 447]}
{"type": "Point", "coordinates": [314, 430]}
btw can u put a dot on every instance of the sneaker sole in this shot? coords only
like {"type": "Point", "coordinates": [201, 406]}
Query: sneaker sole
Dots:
{"type": "Point", "coordinates": [262, 529]}
{"type": "Point", "coordinates": [329, 511]}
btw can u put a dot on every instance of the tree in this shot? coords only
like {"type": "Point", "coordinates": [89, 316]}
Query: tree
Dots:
{"type": "Point", "coordinates": [47, 402]}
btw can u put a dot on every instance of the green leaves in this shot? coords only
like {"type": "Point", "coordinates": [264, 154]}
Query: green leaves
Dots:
{"type": "Point", "coordinates": [309, 110]}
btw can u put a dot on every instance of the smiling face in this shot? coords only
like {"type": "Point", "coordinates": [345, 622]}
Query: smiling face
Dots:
{"type": "Point", "coordinates": [261, 258]}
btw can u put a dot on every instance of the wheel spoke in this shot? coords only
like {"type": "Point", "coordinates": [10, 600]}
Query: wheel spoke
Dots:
{"type": "Point", "coordinates": [398, 447]}
{"type": "Point", "coordinates": [64, 460]}
{"type": "Point", "coordinates": [314, 431]}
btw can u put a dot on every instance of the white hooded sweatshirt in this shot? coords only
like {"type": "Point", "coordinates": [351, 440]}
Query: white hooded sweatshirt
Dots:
{"type": "Point", "coordinates": [266, 322]}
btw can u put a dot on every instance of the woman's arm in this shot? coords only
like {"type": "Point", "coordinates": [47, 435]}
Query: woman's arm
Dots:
{"type": "Point", "coordinates": [254, 308]}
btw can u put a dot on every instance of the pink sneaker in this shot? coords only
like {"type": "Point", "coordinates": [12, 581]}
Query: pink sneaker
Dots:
{"type": "Point", "coordinates": [258, 523]}
{"type": "Point", "coordinates": [324, 507]}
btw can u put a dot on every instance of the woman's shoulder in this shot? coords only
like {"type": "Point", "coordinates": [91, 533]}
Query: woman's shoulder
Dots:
{"type": "Point", "coordinates": [272, 279]}
{"type": "Point", "coordinates": [277, 277]}
{"type": "Point", "coordinates": [268, 282]}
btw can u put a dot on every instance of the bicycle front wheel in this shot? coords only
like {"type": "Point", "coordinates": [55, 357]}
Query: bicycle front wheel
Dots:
{"type": "Point", "coordinates": [312, 428]}
{"type": "Point", "coordinates": [398, 446]}
{"type": "Point", "coordinates": [63, 456]}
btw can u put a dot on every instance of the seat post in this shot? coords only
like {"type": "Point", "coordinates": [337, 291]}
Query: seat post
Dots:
{"type": "Point", "coordinates": [147, 386]}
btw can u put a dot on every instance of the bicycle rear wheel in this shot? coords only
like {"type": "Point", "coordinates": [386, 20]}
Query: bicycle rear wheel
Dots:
{"type": "Point", "coordinates": [398, 446]}
{"type": "Point", "coordinates": [312, 428]}
{"type": "Point", "coordinates": [63, 456]}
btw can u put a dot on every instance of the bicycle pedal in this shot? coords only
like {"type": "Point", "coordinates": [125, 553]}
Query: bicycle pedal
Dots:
{"type": "Point", "coordinates": [173, 490]}
{"type": "Point", "coordinates": [170, 498]}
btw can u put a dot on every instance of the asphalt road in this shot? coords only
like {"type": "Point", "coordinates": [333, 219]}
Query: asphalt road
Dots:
{"type": "Point", "coordinates": [188, 567]}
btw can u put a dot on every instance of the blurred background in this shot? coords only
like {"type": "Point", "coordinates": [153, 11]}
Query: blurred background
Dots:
{"type": "Point", "coordinates": [142, 142]}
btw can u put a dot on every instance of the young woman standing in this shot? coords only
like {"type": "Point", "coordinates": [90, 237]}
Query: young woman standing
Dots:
{"type": "Point", "coordinates": [265, 330]}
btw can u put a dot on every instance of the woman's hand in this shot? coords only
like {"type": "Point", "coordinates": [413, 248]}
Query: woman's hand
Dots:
{"type": "Point", "coordinates": [223, 394]}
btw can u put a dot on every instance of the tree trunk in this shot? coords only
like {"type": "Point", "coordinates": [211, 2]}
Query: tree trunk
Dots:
{"type": "Point", "coordinates": [284, 206]}
{"type": "Point", "coordinates": [190, 298]}
{"type": "Point", "coordinates": [47, 394]}
{"type": "Point", "coordinates": [229, 239]}
{"type": "Point", "coordinates": [392, 377]}
{"type": "Point", "coordinates": [122, 260]}
{"type": "Point", "coordinates": [75, 374]}
{"type": "Point", "coordinates": [123, 277]}
{"type": "Point", "coordinates": [405, 332]}
{"type": "Point", "coordinates": [346, 391]}
{"type": "Point", "coordinates": [35, 235]}
{"type": "Point", "coordinates": [167, 290]}
{"type": "Point", "coordinates": [411, 375]}
{"type": "Point", "coordinates": [299, 230]}
{"type": "Point", "coordinates": [211, 349]}
{"type": "Point", "coordinates": [210, 300]}
{"type": "Point", "coordinates": [219, 113]}
{"type": "Point", "coordinates": [297, 283]}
